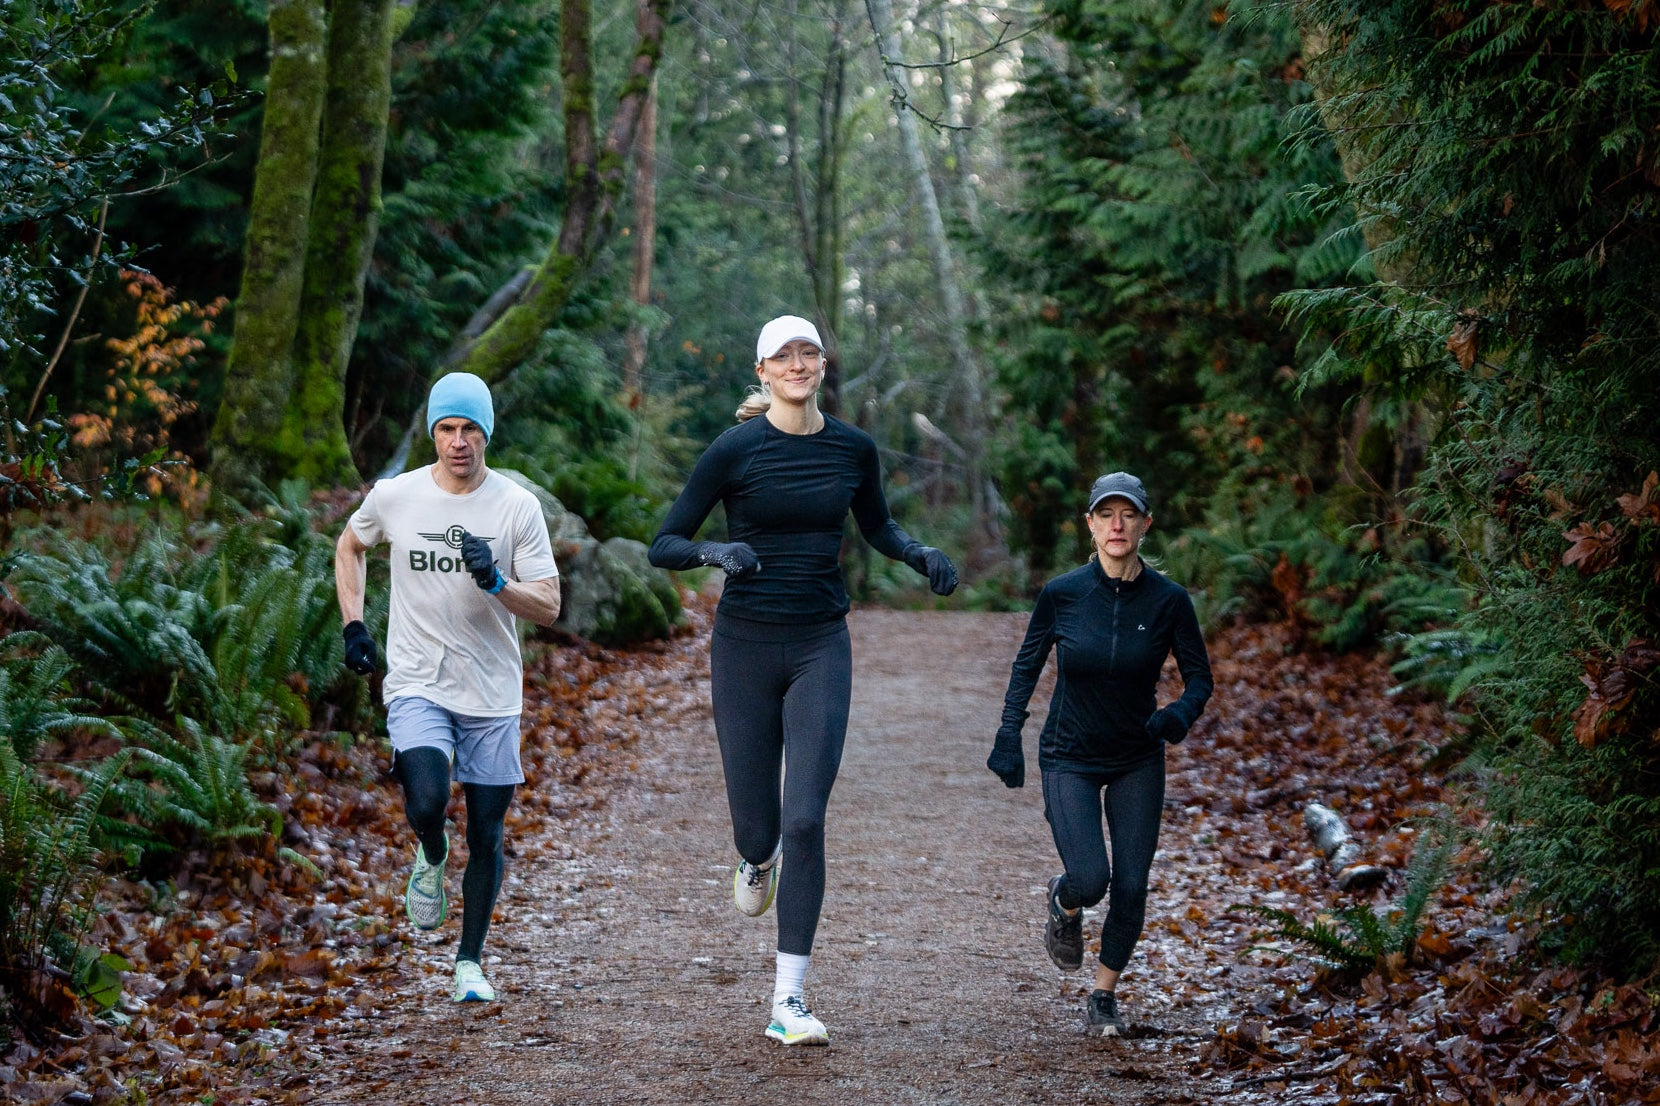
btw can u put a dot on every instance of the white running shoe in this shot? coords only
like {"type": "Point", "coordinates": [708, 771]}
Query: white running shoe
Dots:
{"type": "Point", "coordinates": [424, 899]}
{"type": "Point", "coordinates": [753, 886]}
{"type": "Point", "coordinates": [794, 1024]}
{"type": "Point", "coordinates": [470, 984]}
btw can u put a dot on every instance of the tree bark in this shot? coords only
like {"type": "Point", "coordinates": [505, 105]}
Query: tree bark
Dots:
{"type": "Point", "coordinates": [259, 374]}
{"type": "Point", "coordinates": [645, 241]}
{"type": "Point", "coordinates": [595, 176]}
{"type": "Point", "coordinates": [818, 215]}
{"type": "Point", "coordinates": [345, 217]}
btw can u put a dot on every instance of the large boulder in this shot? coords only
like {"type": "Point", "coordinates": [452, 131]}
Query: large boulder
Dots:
{"type": "Point", "coordinates": [611, 593]}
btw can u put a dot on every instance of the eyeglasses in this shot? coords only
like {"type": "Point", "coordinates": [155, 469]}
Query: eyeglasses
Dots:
{"type": "Point", "coordinates": [809, 356]}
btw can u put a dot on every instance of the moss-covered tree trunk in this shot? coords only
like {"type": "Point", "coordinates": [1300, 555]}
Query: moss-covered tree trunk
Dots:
{"type": "Point", "coordinates": [595, 177]}
{"type": "Point", "coordinates": [345, 216]}
{"type": "Point", "coordinates": [259, 375]}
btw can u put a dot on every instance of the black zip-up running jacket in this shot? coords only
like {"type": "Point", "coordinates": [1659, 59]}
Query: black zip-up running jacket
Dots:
{"type": "Point", "coordinates": [1111, 639]}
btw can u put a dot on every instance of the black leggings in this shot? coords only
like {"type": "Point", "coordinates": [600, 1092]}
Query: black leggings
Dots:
{"type": "Point", "coordinates": [780, 694]}
{"type": "Point", "coordinates": [1134, 802]}
{"type": "Point", "coordinates": [425, 775]}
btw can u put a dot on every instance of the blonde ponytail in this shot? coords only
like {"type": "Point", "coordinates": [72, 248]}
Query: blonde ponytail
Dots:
{"type": "Point", "coordinates": [755, 403]}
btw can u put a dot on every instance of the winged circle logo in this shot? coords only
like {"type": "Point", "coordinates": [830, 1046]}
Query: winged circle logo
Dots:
{"type": "Point", "coordinates": [424, 560]}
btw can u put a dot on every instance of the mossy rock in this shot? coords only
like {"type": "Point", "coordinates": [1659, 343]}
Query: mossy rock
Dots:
{"type": "Point", "coordinates": [611, 593]}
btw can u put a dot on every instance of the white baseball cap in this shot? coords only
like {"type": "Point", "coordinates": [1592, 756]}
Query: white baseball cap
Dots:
{"type": "Point", "coordinates": [781, 332]}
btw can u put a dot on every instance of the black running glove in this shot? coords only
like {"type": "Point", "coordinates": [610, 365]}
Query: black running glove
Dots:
{"type": "Point", "coordinates": [930, 562]}
{"type": "Point", "coordinates": [1007, 760]}
{"type": "Point", "coordinates": [360, 647]}
{"type": "Point", "coordinates": [1167, 726]}
{"type": "Point", "coordinates": [736, 559]}
{"type": "Point", "coordinates": [475, 552]}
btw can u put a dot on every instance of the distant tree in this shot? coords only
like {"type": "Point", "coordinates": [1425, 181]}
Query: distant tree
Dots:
{"type": "Point", "coordinates": [1157, 218]}
{"type": "Point", "coordinates": [311, 233]}
{"type": "Point", "coordinates": [316, 205]}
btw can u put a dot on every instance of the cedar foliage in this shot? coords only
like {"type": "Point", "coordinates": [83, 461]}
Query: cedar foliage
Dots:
{"type": "Point", "coordinates": [1504, 159]}
{"type": "Point", "coordinates": [1160, 214]}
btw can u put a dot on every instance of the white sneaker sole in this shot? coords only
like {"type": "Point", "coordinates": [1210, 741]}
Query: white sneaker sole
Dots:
{"type": "Point", "coordinates": [740, 891]}
{"type": "Point", "coordinates": [808, 1037]}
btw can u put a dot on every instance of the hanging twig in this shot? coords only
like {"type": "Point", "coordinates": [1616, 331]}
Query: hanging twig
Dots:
{"type": "Point", "coordinates": [69, 326]}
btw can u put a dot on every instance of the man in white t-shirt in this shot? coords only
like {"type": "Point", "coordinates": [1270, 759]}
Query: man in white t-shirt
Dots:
{"type": "Point", "coordinates": [470, 551]}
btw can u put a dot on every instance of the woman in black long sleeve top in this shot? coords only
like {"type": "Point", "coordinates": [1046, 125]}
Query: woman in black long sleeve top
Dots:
{"type": "Point", "coordinates": [1112, 622]}
{"type": "Point", "coordinates": [780, 661]}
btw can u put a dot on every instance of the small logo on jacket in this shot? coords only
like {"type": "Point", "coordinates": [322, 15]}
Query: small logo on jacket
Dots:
{"type": "Point", "coordinates": [1139, 626]}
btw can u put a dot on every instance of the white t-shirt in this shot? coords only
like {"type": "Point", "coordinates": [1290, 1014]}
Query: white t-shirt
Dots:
{"type": "Point", "coordinates": [447, 639]}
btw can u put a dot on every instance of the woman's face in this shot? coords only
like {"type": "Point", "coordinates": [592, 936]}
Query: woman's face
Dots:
{"type": "Point", "coordinates": [1117, 527]}
{"type": "Point", "coordinates": [794, 372]}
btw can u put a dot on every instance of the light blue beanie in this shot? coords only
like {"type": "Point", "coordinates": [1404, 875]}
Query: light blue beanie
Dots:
{"type": "Point", "coordinates": [461, 396]}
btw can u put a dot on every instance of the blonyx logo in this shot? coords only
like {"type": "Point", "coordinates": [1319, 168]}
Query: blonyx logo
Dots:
{"type": "Point", "coordinates": [430, 560]}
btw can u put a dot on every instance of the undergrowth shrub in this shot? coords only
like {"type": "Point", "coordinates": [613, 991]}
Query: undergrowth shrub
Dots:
{"type": "Point", "coordinates": [37, 702]}
{"type": "Point", "coordinates": [209, 652]}
{"type": "Point", "coordinates": [48, 876]}
{"type": "Point", "coordinates": [1274, 553]}
{"type": "Point", "coordinates": [1355, 940]}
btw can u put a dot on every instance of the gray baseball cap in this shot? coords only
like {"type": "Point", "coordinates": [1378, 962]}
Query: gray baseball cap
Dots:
{"type": "Point", "coordinates": [1121, 484]}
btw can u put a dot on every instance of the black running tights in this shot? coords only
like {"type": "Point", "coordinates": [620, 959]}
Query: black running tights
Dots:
{"type": "Point", "coordinates": [1133, 803]}
{"type": "Point", "coordinates": [781, 704]}
{"type": "Point", "coordinates": [425, 775]}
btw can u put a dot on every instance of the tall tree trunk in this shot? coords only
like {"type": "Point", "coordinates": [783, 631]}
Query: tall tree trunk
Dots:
{"type": "Point", "coordinates": [961, 175]}
{"type": "Point", "coordinates": [817, 191]}
{"type": "Point", "coordinates": [595, 176]}
{"type": "Point", "coordinates": [345, 217]}
{"type": "Point", "coordinates": [645, 255]}
{"type": "Point", "coordinates": [259, 374]}
{"type": "Point", "coordinates": [970, 393]}
{"type": "Point", "coordinates": [645, 241]}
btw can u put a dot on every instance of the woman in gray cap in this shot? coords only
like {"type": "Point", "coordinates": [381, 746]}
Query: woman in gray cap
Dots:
{"type": "Point", "coordinates": [1112, 623]}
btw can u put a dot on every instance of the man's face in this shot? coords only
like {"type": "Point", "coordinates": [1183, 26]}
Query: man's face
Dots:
{"type": "Point", "coordinates": [460, 444]}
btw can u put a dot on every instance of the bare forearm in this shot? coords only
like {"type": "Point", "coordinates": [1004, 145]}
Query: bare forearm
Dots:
{"type": "Point", "coordinates": [534, 601]}
{"type": "Point", "coordinates": [350, 573]}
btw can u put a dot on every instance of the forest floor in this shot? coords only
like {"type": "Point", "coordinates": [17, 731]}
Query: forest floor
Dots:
{"type": "Point", "coordinates": [625, 975]}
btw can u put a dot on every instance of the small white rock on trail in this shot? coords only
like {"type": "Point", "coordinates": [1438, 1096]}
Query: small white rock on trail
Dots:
{"type": "Point", "coordinates": [626, 975]}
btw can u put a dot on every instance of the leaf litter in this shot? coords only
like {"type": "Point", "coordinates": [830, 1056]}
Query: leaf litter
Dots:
{"type": "Point", "coordinates": [241, 967]}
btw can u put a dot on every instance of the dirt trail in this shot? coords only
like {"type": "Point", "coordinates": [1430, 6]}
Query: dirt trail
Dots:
{"type": "Point", "coordinates": [627, 976]}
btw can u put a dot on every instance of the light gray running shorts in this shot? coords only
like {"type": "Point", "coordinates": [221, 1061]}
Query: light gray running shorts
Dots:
{"type": "Point", "coordinates": [483, 750]}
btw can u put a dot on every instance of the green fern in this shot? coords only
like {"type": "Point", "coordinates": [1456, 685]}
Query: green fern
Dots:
{"type": "Point", "coordinates": [48, 863]}
{"type": "Point", "coordinates": [1356, 939]}
{"type": "Point", "coordinates": [204, 784]}
{"type": "Point", "coordinates": [36, 702]}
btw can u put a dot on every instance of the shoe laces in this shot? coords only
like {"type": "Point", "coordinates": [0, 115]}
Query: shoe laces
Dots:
{"type": "Point", "coordinates": [796, 1006]}
{"type": "Point", "coordinates": [755, 874]}
{"type": "Point", "coordinates": [429, 879]}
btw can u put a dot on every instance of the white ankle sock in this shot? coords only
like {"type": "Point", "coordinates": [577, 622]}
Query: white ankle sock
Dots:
{"type": "Point", "coordinates": [791, 977]}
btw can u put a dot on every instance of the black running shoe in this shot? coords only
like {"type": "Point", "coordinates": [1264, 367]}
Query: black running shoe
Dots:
{"type": "Point", "coordinates": [1103, 1015]}
{"type": "Point", "coordinates": [1063, 934]}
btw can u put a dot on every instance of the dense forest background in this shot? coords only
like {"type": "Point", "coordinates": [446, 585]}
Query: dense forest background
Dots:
{"type": "Point", "coordinates": [1368, 294]}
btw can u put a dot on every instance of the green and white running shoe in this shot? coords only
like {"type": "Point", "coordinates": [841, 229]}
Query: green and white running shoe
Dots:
{"type": "Point", "coordinates": [470, 984]}
{"type": "Point", "coordinates": [754, 885]}
{"type": "Point", "coordinates": [794, 1024]}
{"type": "Point", "coordinates": [424, 899]}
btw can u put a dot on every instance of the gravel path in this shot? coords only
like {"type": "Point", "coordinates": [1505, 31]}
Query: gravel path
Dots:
{"type": "Point", "coordinates": [627, 976]}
